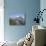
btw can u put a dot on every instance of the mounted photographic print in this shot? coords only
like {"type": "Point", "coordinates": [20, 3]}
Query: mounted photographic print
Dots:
{"type": "Point", "coordinates": [17, 19]}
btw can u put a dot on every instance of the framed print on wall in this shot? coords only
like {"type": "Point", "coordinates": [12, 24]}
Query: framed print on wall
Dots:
{"type": "Point", "coordinates": [17, 19]}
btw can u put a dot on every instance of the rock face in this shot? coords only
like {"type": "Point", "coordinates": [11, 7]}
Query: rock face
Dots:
{"type": "Point", "coordinates": [20, 20]}
{"type": "Point", "coordinates": [17, 21]}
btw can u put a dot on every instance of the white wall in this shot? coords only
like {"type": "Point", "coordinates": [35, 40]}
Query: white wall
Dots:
{"type": "Point", "coordinates": [1, 21]}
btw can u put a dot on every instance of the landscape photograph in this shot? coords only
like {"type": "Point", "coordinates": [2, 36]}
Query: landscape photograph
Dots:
{"type": "Point", "coordinates": [17, 19]}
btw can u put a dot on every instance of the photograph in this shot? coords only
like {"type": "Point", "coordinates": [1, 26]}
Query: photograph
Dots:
{"type": "Point", "coordinates": [17, 19]}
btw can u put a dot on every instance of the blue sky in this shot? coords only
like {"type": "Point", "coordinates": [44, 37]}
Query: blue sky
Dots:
{"type": "Point", "coordinates": [16, 15]}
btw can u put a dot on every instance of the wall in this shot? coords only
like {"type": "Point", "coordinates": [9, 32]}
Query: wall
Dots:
{"type": "Point", "coordinates": [1, 21]}
{"type": "Point", "coordinates": [28, 7]}
{"type": "Point", "coordinates": [43, 6]}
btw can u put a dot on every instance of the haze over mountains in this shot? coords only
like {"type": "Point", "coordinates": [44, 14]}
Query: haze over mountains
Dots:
{"type": "Point", "coordinates": [17, 20]}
